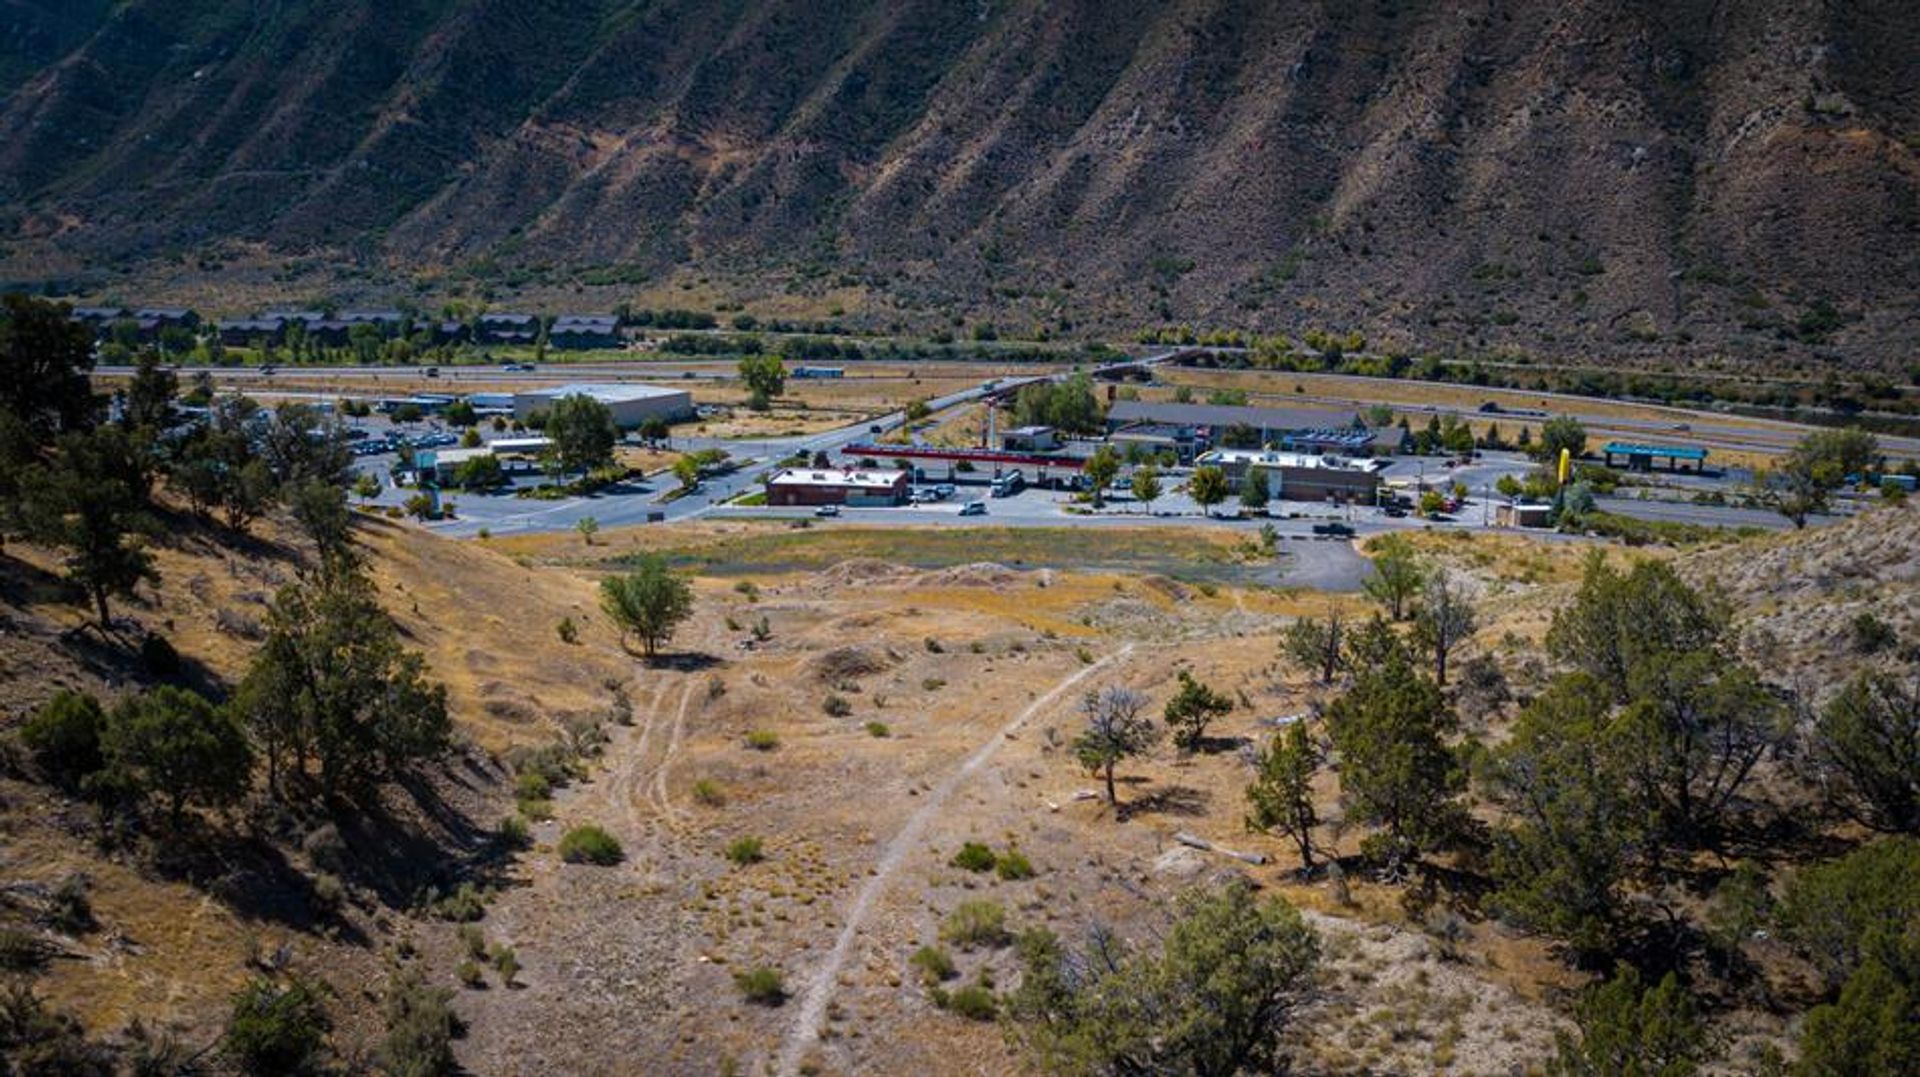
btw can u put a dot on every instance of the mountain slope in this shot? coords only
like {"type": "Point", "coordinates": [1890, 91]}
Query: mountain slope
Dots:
{"type": "Point", "coordinates": [1593, 176]}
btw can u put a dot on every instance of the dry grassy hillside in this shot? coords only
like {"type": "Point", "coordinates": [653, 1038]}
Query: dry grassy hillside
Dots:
{"type": "Point", "coordinates": [1800, 595]}
{"type": "Point", "coordinates": [177, 934]}
{"type": "Point", "coordinates": [1589, 178]}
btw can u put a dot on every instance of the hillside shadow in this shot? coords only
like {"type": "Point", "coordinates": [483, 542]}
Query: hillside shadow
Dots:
{"type": "Point", "coordinates": [414, 839]}
{"type": "Point", "coordinates": [252, 877]}
{"type": "Point", "coordinates": [685, 662]}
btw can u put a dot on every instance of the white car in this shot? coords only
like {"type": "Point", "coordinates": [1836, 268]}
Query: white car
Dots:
{"type": "Point", "coordinates": [827, 510]}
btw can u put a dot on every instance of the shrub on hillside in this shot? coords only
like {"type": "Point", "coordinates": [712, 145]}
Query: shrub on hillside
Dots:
{"type": "Point", "coordinates": [590, 845]}
{"type": "Point", "coordinates": [975, 924]}
{"type": "Point", "coordinates": [763, 986]}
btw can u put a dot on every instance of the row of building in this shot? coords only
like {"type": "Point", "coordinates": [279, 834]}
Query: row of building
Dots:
{"type": "Point", "coordinates": [566, 332]}
{"type": "Point", "coordinates": [631, 405]}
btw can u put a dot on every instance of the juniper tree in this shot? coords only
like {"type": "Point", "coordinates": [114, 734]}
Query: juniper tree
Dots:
{"type": "Point", "coordinates": [1396, 770]}
{"type": "Point", "coordinates": [1867, 749]}
{"type": "Point", "coordinates": [1563, 862]}
{"type": "Point", "coordinates": [1193, 707]}
{"type": "Point", "coordinates": [1281, 794]}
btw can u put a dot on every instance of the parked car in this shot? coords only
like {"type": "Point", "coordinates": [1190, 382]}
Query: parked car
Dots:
{"type": "Point", "coordinates": [827, 510]}
{"type": "Point", "coordinates": [1395, 511]}
{"type": "Point", "coordinates": [1336, 529]}
{"type": "Point", "coordinates": [974, 508]}
{"type": "Point", "coordinates": [943, 491]}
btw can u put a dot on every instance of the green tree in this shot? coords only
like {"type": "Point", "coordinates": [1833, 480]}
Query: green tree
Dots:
{"type": "Point", "coordinates": [45, 358]}
{"type": "Point", "coordinates": [687, 470]}
{"type": "Point", "coordinates": [1562, 432]}
{"type": "Point", "coordinates": [1398, 574]}
{"type": "Point", "coordinates": [1617, 622]}
{"type": "Point", "coordinates": [149, 399]}
{"type": "Point", "coordinates": [1867, 743]}
{"type": "Point", "coordinates": [1444, 619]}
{"type": "Point", "coordinates": [1207, 487]}
{"type": "Point", "coordinates": [1316, 646]}
{"type": "Point", "coordinates": [583, 433]}
{"type": "Point", "coordinates": [1872, 1028]}
{"type": "Point", "coordinates": [1396, 770]}
{"type": "Point", "coordinates": [64, 737]}
{"type": "Point", "coordinates": [1857, 910]}
{"type": "Point", "coordinates": [1253, 491]}
{"type": "Point", "coordinates": [1068, 405]}
{"type": "Point", "coordinates": [1280, 797]}
{"type": "Point", "coordinates": [172, 744]}
{"type": "Point", "coordinates": [461, 413]}
{"type": "Point", "coordinates": [1803, 483]}
{"type": "Point", "coordinates": [1215, 1000]}
{"type": "Point", "coordinates": [1100, 470]}
{"type": "Point", "coordinates": [1115, 730]}
{"type": "Point", "coordinates": [479, 473]}
{"type": "Point", "coordinates": [300, 443]}
{"type": "Point", "coordinates": [320, 508]}
{"type": "Point", "coordinates": [1697, 725]}
{"type": "Point", "coordinates": [89, 501]}
{"type": "Point", "coordinates": [1146, 486]}
{"type": "Point", "coordinates": [588, 527]}
{"type": "Point", "coordinates": [1194, 707]}
{"type": "Point", "coordinates": [333, 685]}
{"type": "Point", "coordinates": [654, 429]}
{"type": "Point", "coordinates": [1629, 1031]}
{"type": "Point", "coordinates": [649, 602]}
{"type": "Point", "coordinates": [278, 1029]}
{"type": "Point", "coordinates": [366, 486]}
{"type": "Point", "coordinates": [1563, 862]}
{"type": "Point", "coordinates": [764, 376]}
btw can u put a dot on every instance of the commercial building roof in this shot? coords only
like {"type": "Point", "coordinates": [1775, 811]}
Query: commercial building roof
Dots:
{"type": "Point", "coordinates": [864, 480]}
{"type": "Point", "coordinates": [528, 445]}
{"type": "Point", "coordinates": [607, 393]}
{"type": "Point", "coordinates": [456, 457]}
{"type": "Point", "coordinates": [1259, 458]}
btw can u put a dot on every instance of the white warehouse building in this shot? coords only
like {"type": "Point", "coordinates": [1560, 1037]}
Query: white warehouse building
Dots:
{"type": "Point", "coordinates": [631, 404]}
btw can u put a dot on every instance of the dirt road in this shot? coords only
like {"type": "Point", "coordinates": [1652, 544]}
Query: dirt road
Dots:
{"type": "Point", "coordinates": [805, 1031]}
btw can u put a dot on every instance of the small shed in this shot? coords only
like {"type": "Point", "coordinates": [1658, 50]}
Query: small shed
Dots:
{"type": "Point", "coordinates": [1524, 514]}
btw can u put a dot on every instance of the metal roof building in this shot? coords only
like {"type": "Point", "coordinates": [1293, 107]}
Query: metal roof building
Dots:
{"type": "Point", "coordinates": [1303, 429]}
{"type": "Point", "coordinates": [631, 404]}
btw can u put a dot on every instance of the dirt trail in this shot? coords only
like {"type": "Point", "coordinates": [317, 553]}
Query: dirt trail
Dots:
{"type": "Point", "coordinates": [805, 1032]}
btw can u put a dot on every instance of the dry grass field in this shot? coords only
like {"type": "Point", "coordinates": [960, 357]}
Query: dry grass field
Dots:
{"type": "Point", "coordinates": [862, 702]}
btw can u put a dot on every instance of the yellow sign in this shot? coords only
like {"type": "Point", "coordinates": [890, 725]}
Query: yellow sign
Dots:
{"type": "Point", "coordinates": [1566, 464]}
